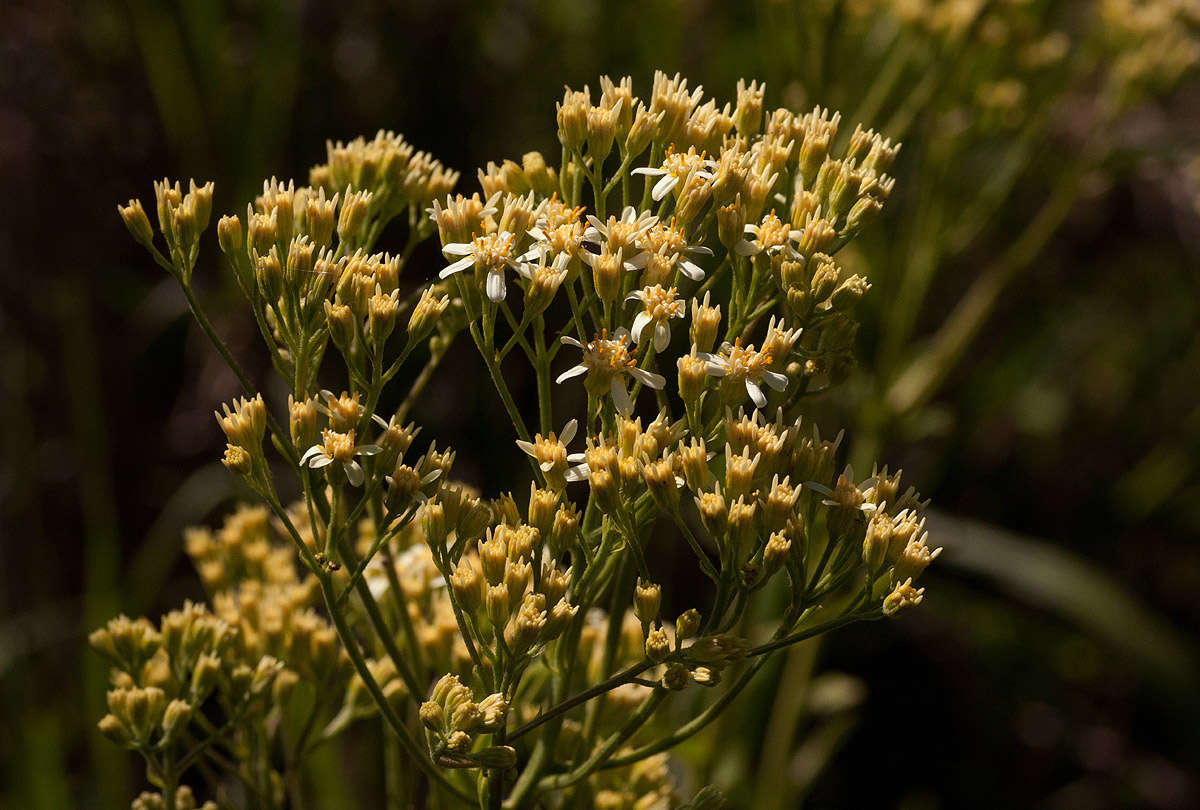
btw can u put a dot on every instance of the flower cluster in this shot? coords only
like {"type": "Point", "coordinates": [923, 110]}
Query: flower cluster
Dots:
{"type": "Point", "coordinates": [682, 257]}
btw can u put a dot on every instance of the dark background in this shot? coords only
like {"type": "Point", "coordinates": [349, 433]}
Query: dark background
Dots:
{"type": "Point", "coordinates": [1053, 663]}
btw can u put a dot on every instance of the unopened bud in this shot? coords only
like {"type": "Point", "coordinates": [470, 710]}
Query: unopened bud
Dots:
{"type": "Point", "coordinates": [134, 216]}
{"type": "Point", "coordinates": [688, 624]}
{"type": "Point", "coordinates": [658, 645]}
{"type": "Point", "coordinates": [647, 597]}
{"type": "Point", "coordinates": [425, 314]}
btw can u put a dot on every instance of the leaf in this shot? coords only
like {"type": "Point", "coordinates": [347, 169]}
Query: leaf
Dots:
{"type": "Point", "coordinates": [708, 798]}
{"type": "Point", "coordinates": [1065, 584]}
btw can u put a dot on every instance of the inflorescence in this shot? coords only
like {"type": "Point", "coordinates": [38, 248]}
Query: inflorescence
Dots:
{"type": "Point", "coordinates": [673, 284]}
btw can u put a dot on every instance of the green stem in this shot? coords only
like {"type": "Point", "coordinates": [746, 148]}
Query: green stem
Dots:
{"type": "Point", "coordinates": [412, 748]}
{"type": "Point", "coordinates": [214, 338]}
{"type": "Point", "coordinates": [623, 677]}
{"type": "Point", "coordinates": [922, 377]}
{"type": "Point", "coordinates": [602, 754]}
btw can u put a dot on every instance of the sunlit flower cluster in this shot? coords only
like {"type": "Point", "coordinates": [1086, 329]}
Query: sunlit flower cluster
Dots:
{"type": "Point", "coordinates": [682, 260]}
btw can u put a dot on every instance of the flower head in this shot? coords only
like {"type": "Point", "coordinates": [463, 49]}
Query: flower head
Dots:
{"type": "Point", "coordinates": [339, 450]}
{"type": "Point", "coordinates": [622, 235]}
{"type": "Point", "coordinates": [772, 235]}
{"type": "Point", "coordinates": [490, 253]}
{"type": "Point", "coordinates": [606, 362]}
{"type": "Point", "coordinates": [245, 423]}
{"type": "Point", "coordinates": [552, 457]}
{"type": "Point", "coordinates": [659, 307]}
{"type": "Point", "coordinates": [743, 366]}
{"type": "Point", "coordinates": [677, 167]}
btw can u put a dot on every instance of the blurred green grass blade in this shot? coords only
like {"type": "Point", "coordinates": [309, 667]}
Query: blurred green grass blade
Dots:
{"type": "Point", "coordinates": [198, 495]}
{"type": "Point", "coordinates": [45, 773]}
{"type": "Point", "coordinates": [1069, 586]}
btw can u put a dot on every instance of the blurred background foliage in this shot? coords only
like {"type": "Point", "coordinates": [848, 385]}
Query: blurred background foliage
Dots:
{"type": "Point", "coordinates": [1033, 360]}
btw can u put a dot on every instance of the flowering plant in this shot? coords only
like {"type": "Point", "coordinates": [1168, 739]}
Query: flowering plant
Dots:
{"type": "Point", "coordinates": [519, 654]}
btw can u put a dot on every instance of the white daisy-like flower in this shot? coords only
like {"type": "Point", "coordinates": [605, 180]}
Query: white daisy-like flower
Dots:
{"type": "Point", "coordinates": [565, 239]}
{"type": "Point", "coordinates": [624, 235]}
{"type": "Point", "coordinates": [552, 457]}
{"type": "Point", "coordinates": [742, 365]}
{"type": "Point", "coordinates": [846, 494]}
{"type": "Point", "coordinates": [340, 449]}
{"type": "Point", "coordinates": [676, 167]}
{"type": "Point", "coordinates": [659, 307]}
{"type": "Point", "coordinates": [492, 252]}
{"type": "Point", "coordinates": [606, 362]}
{"type": "Point", "coordinates": [772, 235]}
{"type": "Point", "coordinates": [667, 240]}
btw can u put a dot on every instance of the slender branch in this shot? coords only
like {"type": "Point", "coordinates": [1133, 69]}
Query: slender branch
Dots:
{"type": "Point", "coordinates": [606, 749]}
{"type": "Point", "coordinates": [623, 677]}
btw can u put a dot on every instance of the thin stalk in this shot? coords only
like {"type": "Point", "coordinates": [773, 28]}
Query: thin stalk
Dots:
{"type": "Point", "coordinates": [601, 755]}
{"type": "Point", "coordinates": [623, 677]}
{"type": "Point", "coordinates": [215, 339]}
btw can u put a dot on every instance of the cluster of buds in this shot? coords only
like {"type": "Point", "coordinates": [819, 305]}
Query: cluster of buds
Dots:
{"type": "Point", "coordinates": [244, 548]}
{"type": "Point", "coordinates": [182, 217]}
{"type": "Point", "coordinates": [388, 169]}
{"type": "Point", "coordinates": [453, 719]}
{"type": "Point", "coordinates": [243, 658]}
{"type": "Point", "coordinates": [518, 609]}
{"type": "Point", "coordinates": [645, 784]}
{"type": "Point", "coordinates": [184, 799]}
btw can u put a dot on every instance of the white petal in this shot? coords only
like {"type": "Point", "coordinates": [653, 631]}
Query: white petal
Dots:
{"type": "Point", "coordinates": [597, 224]}
{"type": "Point", "coordinates": [691, 270]}
{"type": "Point", "coordinates": [756, 394]}
{"type": "Point", "coordinates": [310, 453]}
{"type": "Point", "coordinates": [459, 249]}
{"type": "Point", "coordinates": [495, 285]}
{"type": "Point", "coordinates": [379, 420]}
{"type": "Point", "coordinates": [458, 266]}
{"type": "Point", "coordinates": [663, 187]}
{"type": "Point", "coordinates": [574, 371]}
{"type": "Point", "coordinates": [570, 341]}
{"type": "Point", "coordinates": [354, 474]}
{"type": "Point", "coordinates": [638, 261]}
{"type": "Point", "coordinates": [701, 249]}
{"type": "Point", "coordinates": [744, 248]}
{"type": "Point", "coordinates": [369, 449]}
{"type": "Point", "coordinates": [621, 397]}
{"type": "Point", "coordinates": [639, 323]}
{"type": "Point", "coordinates": [546, 466]}
{"type": "Point", "coordinates": [821, 488]}
{"type": "Point", "coordinates": [648, 171]}
{"type": "Point", "coordinates": [526, 447]}
{"type": "Point", "coordinates": [775, 380]}
{"type": "Point", "coordinates": [537, 233]}
{"type": "Point", "coordinates": [320, 461]}
{"type": "Point", "coordinates": [578, 473]}
{"type": "Point", "coordinates": [568, 432]}
{"type": "Point", "coordinates": [648, 378]}
{"type": "Point", "coordinates": [662, 337]}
